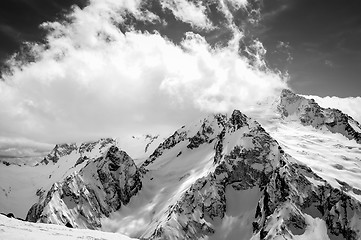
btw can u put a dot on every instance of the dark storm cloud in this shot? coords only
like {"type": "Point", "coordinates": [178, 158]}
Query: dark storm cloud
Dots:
{"type": "Point", "coordinates": [319, 33]}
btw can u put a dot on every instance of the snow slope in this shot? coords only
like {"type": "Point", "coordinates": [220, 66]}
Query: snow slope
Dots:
{"type": "Point", "coordinates": [332, 156]}
{"type": "Point", "coordinates": [13, 229]}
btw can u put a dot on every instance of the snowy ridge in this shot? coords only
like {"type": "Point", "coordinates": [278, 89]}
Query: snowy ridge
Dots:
{"type": "Point", "coordinates": [195, 135]}
{"type": "Point", "coordinates": [310, 113]}
{"type": "Point", "coordinates": [86, 150]}
{"type": "Point", "coordinates": [59, 151]}
{"type": "Point", "coordinates": [101, 187]}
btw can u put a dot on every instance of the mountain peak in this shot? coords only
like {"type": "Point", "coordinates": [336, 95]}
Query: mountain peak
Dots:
{"type": "Point", "coordinates": [206, 130]}
{"type": "Point", "coordinates": [238, 119]}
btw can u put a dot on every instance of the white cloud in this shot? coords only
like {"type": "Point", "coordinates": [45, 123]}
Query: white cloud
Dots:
{"type": "Point", "coordinates": [91, 81]}
{"type": "Point", "coordinates": [189, 12]}
{"type": "Point", "coordinates": [349, 105]}
{"type": "Point", "coordinates": [285, 48]}
{"type": "Point", "coordinates": [237, 4]}
{"type": "Point", "coordinates": [329, 63]}
{"type": "Point", "coordinates": [195, 12]}
{"type": "Point", "coordinates": [21, 150]}
{"type": "Point", "coordinates": [22, 147]}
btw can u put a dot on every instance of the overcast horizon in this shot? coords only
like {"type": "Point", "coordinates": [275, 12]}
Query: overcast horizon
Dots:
{"type": "Point", "coordinates": [78, 69]}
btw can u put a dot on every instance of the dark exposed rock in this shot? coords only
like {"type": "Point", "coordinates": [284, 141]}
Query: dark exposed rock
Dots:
{"type": "Point", "coordinates": [68, 224]}
{"type": "Point", "coordinates": [151, 139]}
{"type": "Point", "coordinates": [11, 215]}
{"type": "Point", "coordinates": [6, 163]}
{"type": "Point", "coordinates": [81, 160]}
{"type": "Point", "coordinates": [238, 119]}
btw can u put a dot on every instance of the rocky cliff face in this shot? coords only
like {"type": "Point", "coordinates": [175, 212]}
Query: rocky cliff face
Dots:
{"type": "Point", "coordinates": [99, 188]}
{"type": "Point", "coordinates": [295, 199]}
{"type": "Point", "coordinates": [310, 113]}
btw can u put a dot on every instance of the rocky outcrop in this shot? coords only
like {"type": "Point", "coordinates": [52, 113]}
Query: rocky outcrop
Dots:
{"type": "Point", "coordinates": [310, 113]}
{"type": "Point", "coordinates": [101, 187]}
{"type": "Point", "coordinates": [150, 139]}
{"type": "Point", "coordinates": [294, 196]}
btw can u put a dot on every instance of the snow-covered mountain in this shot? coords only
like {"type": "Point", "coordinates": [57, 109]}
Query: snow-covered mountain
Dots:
{"type": "Point", "coordinates": [310, 113]}
{"type": "Point", "coordinates": [22, 186]}
{"type": "Point", "coordinates": [101, 187]}
{"type": "Point", "coordinates": [296, 176]}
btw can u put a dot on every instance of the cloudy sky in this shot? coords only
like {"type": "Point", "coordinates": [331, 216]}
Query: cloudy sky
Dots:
{"type": "Point", "coordinates": [76, 70]}
{"type": "Point", "coordinates": [324, 41]}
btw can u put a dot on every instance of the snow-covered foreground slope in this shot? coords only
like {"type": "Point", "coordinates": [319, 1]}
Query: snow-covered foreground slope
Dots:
{"type": "Point", "coordinates": [296, 176]}
{"type": "Point", "coordinates": [13, 229]}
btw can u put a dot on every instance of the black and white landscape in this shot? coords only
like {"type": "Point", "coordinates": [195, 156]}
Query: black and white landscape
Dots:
{"type": "Point", "coordinates": [177, 119]}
